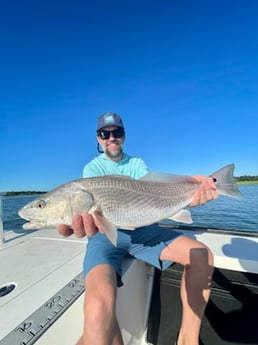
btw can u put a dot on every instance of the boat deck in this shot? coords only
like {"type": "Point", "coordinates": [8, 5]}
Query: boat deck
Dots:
{"type": "Point", "coordinates": [232, 249]}
{"type": "Point", "coordinates": [39, 264]}
{"type": "Point", "coordinates": [45, 269]}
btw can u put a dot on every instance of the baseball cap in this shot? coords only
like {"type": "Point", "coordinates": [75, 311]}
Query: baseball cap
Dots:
{"type": "Point", "coordinates": [109, 119]}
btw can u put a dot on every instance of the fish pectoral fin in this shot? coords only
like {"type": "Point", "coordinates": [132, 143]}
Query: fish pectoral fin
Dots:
{"type": "Point", "coordinates": [106, 227]}
{"type": "Point", "coordinates": [81, 201]}
{"type": "Point", "coordinates": [182, 216]}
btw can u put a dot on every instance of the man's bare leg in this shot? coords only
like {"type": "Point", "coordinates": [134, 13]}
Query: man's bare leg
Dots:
{"type": "Point", "coordinates": [100, 323]}
{"type": "Point", "coordinates": [195, 285]}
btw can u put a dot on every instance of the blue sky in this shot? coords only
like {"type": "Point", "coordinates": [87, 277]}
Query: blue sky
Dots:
{"type": "Point", "coordinates": [182, 74]}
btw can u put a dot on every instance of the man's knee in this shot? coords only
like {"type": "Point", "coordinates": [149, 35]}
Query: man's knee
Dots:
{"type": "Point", "coordinates": [100, 292]}
{"type": "Point", "coordinates": [201, 254]}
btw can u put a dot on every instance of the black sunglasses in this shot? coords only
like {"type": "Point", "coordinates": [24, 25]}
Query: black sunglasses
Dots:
{"type": "Point", "coordinates": [105, 134]}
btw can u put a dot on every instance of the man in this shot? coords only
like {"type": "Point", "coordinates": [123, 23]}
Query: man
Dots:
{"type": "Point", "coordinates": [102, 264]}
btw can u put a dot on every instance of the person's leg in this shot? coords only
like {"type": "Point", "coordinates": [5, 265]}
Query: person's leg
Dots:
{"type": "Point", "coordinates": [102, 269]}
{"type": "Point", "coordinates": [100, 323]}
{"type": "Point", "coordinates": [195, 285]}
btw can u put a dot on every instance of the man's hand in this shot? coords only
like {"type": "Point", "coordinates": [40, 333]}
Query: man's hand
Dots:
{"type": "Point", "coordinates": [82, 225]}
{"type": "Point", "coordinates": [206, 192]}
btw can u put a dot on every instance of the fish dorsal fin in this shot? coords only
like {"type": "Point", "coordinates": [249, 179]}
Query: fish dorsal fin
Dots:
{"type": "Point", "coordinates": [182, 216]}
{"type": "Point", "coordinates": [154, 176]}
{"type": "Point", "coordinates": [121, 177]}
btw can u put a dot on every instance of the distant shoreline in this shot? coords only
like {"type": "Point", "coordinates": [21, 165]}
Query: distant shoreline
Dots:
{"type": "Point", "coordinates": [247, 182]}
{"type": "Point", "coordinates": [43, 192]}
{"type": "Point", "coordinates": [29, 192]}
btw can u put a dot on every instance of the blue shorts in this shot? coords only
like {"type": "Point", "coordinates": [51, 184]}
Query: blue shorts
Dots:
{"type": "Point", "coordinates": [145, 244]}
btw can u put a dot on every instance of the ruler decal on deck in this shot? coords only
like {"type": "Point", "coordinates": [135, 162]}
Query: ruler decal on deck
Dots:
{"type": "Point", "coordinates": [32, 328]}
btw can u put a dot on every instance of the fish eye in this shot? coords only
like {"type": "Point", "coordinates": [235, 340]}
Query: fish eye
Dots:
{"type": "Point", "coordinates": [41, 203]}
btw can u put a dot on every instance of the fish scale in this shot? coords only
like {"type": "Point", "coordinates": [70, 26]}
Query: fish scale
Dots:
{"type": "Point", "coordinates": [140, 204]}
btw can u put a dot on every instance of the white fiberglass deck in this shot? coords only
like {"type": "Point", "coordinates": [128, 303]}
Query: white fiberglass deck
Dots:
{"type": "Point", "coordinates": [44, 267]}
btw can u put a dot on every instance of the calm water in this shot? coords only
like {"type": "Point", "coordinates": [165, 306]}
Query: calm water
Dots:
{"type": "Point", "coordinates": [11, 205]}
{"type": "Point", "coordinates": [224, 213]}
{"type": "Point", "coordinates": [228, 213]}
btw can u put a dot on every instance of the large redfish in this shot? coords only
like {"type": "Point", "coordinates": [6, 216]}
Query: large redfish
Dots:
{"type": "Point", "coordinates": [126, 203]}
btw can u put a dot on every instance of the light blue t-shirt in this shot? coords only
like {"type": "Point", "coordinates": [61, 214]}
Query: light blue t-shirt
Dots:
{"type": "Point", "coordinates": [128, 165]}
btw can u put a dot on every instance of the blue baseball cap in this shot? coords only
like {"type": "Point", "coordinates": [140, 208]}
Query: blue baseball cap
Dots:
{"type": "Point", "coordinates": [109, 119]}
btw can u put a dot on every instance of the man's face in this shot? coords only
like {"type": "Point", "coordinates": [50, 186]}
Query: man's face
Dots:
{"type": "Point", "coordinates": [111, 138]}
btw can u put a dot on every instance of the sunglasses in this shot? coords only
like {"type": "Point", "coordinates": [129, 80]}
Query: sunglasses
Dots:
{"type": "Point", "coordinates": [105, 134]}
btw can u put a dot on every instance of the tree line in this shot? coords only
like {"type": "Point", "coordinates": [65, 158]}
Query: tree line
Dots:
{"type": "Point", "coordinates": [27, 192]}
{"type": "Point", "coordinates": [246, 178]}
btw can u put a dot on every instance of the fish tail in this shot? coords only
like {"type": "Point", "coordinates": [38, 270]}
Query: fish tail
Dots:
{"type": "Point", "coordinates": [225, 183]}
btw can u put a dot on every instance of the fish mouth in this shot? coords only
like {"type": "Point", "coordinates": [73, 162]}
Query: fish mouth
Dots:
{"type": "Point", "coordinates": [33, 225]}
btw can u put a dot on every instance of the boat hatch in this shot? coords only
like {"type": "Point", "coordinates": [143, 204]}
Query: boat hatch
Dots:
{"type": "Point", "coordinates": [6, 289]}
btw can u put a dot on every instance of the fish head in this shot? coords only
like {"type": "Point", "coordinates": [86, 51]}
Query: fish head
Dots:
{"type": "Point", "coordinates": [45, 211]}
{"type": "Point", "coordinates": [56, 207]}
